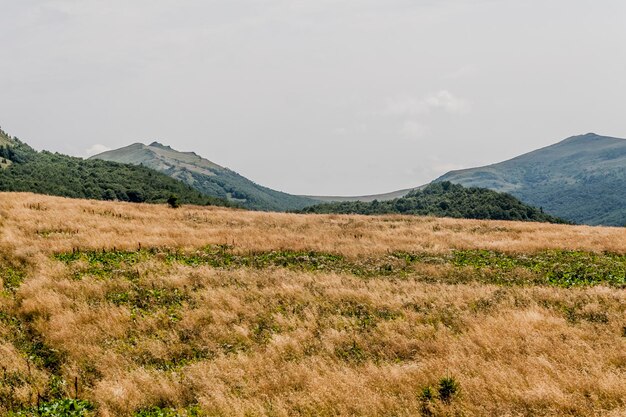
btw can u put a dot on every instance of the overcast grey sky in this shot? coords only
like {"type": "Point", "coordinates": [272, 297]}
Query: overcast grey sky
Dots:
{"type": "Point", "coordinates": [314, 96]}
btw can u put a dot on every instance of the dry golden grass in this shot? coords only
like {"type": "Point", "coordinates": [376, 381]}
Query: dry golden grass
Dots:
{"type": "Point", "coordinates": [281, 342]}
{"type": "Point", "coordinates": [34, 224]}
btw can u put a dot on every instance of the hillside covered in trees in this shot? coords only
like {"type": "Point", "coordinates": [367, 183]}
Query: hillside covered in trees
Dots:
{"type": "Point", "coordinates": [444, 199]}
{"type": "Point", "coordinates": [24, 169]}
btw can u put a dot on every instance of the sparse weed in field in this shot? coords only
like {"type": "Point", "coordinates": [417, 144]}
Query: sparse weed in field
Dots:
{"type": "Point", "coordinates": [431, 398]}
{"type": "Point", "coordinates": [351, 352]}
{"type": "Point", "coordinates": [448, 388]}
{"type": "Point", "coordinates": [36, 206]}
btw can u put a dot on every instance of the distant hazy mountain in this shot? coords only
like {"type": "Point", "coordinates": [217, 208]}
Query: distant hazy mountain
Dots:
{"type": "Point", "coordinates": [206, 176]}
{"type": "Point", "coordinates": [365, 198]}
{"type": "Point", "coordinates": [24, 169]}
{"type": "Point", "coordinates": [444, 199]}
{"type": "Point", "coordinates": [581, 179]}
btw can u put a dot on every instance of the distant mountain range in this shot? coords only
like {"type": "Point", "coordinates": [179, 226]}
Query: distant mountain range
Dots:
{"type": "Point", "coordinates": [206, 176]}
{"type": "Point", "coordinates": [581, 179]}
{"type": "Point", "coordinates": [366, 198]}
{"type": "Point", "coordinates": [444, 199]}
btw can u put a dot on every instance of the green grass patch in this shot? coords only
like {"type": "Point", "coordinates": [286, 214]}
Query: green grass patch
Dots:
{"type": "Point", "coordinates": [148, 299]}
{"type": "Point", "coordinates": [105, 262]}
{"type": "Point", "coordinates": [59, 408]}
{"type": "Point", "coordinates": [559, 268]}
{"type": "Point", "coordinates": [31, 343]}
{"type": "Point", "coordinates": [169, 412]}
{"type": "Point", "coordinates": [11, 277]}
{"type": "Point", "coordinates": [365, 316]}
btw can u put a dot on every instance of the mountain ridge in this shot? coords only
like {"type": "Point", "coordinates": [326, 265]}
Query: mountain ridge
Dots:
{"type": "Point", "coordinates": [206, 176]}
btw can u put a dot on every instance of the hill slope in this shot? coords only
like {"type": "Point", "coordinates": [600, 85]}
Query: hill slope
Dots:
{"type": "Point", "coordinates": [582, 179]}
{"type": "Point", "coordinates": [62, 175]}
{"type": "Point", "coordinates": [357, 316]}
{"type": "Point", "coordinates": [206, 176]}
{"type": "Point", "coordinates": [444, 200]}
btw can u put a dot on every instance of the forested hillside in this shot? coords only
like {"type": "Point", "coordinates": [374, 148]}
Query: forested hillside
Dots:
{"type": "Point", "coordinates": [25, 169]}
{"type": "Point", "coordinates": [581, 179]}
{"type": "Point", "coordinates": [445, 200]}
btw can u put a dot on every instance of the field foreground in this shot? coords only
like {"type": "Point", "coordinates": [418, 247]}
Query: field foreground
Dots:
{"type": "Point", "coordinates": [114, 309]}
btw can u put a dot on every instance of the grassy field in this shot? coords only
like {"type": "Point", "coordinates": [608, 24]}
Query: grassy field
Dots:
{"type": "Point", "coordinates": [114, 309]}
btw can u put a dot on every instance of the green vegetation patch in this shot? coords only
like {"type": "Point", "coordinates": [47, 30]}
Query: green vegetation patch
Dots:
{"type": "Point", "coordinates": [224, 257]}
{"type": "Point", "coordinates": [431, 398]}
{"type": "Point", "coordinates": [59, 408]}
{"type": "Point", "coordinates": [11, 277]}
{"type": "Point", "coordinates": [148, 299]}
{"type": "Point", "coordinates": [104, 263]}
{"type": "Point", "coordinates": [555, 267]}
{"type": "Point", "coordinates": [561, 268]}
{"type": "Point", "coordinates": [366, 316]}
{"type": "Point", "coordinates": [28, 341]}
{"type": "Point", "coordinates": [169, 412]}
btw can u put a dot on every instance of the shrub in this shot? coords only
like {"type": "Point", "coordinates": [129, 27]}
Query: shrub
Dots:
{"type": "Point", "coordinates": [448, 388]}
{"type": "Point", "coordinates": [173, 201]}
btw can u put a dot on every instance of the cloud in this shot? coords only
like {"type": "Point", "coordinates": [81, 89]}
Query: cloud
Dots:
{"type": "Point", "coordinates": [413, 111]}
{"type": "Point", "coordinates": [360, 128]}
{"type": "Point", "coordinates": [448, 102]}
{"type": "Point", "coordinates": [443, 100]}
{"type": "Point", "coordinates": [461, 72]}
{"type": "Point", "coordinates": [96, 149]}
{"type": "Point", "coordinates": [413, 128]}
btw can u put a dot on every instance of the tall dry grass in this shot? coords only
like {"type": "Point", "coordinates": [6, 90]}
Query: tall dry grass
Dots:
{"type": "Point", "coordinates": [279, 342]}
{"type": "Point", "coordinates": [35, 224]}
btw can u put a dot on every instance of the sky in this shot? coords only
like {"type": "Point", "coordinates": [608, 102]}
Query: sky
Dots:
{"type": "Point", "coordinates": [318, 97]}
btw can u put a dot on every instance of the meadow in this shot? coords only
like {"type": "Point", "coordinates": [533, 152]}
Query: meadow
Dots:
{"type": "Point", "coordinates": [120, 309]}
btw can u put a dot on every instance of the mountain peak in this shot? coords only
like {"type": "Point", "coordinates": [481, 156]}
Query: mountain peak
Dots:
{"type": "Point", "coordinates": [588, 137]}
{"type": "Point", "coordinates": [157, 144]}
